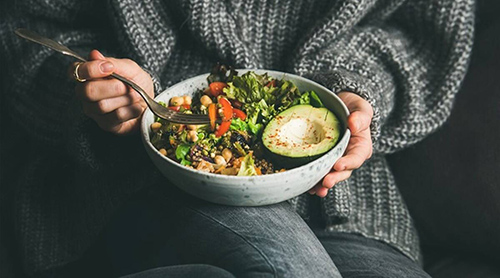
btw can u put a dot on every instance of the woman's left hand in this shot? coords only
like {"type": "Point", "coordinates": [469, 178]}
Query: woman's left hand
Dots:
{"type": "Point", "coordinates": [359, 148]}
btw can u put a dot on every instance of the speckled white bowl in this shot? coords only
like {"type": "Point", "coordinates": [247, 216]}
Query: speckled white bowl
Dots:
{"type": "Point", "coordinates": [254, 190]}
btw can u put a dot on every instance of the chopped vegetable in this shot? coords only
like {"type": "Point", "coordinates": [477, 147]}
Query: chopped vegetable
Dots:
{"type": "Point", "coordinates": [237, 113]}
{"type": "Point", "coordinates": [227, 109]}
{"type": "Point", "coordinates": [238, 124]}
{"type": "Point", "coordinates": [247, 167]}
{"type": "Point", "coordinates": [212, 114]}
{"type": "Point", "coordinates": [180, 153]}
{"type": "Point", "coordinates": [223, 128]}
{"type": "Point", "coordinates": [239, 108]}
{"type": "Point", "coordinates": [216, 88]}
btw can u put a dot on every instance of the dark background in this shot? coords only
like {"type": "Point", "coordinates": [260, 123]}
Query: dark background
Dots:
{"type": "Point", "coordinates": [450, 180]}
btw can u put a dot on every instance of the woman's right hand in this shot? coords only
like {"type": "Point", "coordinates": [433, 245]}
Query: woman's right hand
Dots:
{"type": "Point", "coordinates": [115, 107]}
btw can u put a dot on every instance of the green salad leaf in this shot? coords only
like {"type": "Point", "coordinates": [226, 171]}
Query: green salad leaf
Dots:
{"type": "Point", "coordinates": [247, 167]}
{"type": "Point", "coordinates": [238, 124]}
{"type": "Point", "coordinates": [181, 151]}
{"type": "Point", "coordinates": [250, 87]}
{"type": "Point", "coordinates": [315, 101]}
{"type": "Point", "coordinates": [255, 128]}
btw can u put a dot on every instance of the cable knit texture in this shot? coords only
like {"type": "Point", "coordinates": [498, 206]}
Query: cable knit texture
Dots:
{"type": "Point", "coordinates": [407, 58]}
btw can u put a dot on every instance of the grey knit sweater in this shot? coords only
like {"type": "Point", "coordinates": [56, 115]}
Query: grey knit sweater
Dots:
{"type": "Point", "coordinates": [407, 58]}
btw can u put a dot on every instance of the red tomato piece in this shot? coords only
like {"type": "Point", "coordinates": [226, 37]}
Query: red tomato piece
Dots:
{"type": "Point", "coordinates": [216, 88]}
{"type": "Point", "coordinates": [174, 108]}
{"type": "Point", "coordinates": [223, 128]}
{"type": "Point", "coordinates": [237, 113]}
{"type": "Point", "coordinates": [227, 109]}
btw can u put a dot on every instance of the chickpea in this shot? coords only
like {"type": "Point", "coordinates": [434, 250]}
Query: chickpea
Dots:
{"type": "Point", "coordinates": [192, 127]}
{"type": "Point", "coordinates": [205, 101]}
{"type": "Point", "coordinates": [155, 126]}
{"type": "Point", "coordinates": [219, 160]}
{"type": "Point", "coordinates": [187, 100]}
{"type": "Point", "coordinates": [227, 154]}
{"type": "Point", "coordinates": [163, 151]}
{"type": "Point", "coordinates": [177, 101]}
{"type": "Point", "coordinates": [192, 136]}
{"type": "Point", "coordinates": [205, 166]}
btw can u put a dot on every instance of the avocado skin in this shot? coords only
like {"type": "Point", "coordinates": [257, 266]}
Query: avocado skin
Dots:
{"type": "Point", "coordinates": [280, 161]}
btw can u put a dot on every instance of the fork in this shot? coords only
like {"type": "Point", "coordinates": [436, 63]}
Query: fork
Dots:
{"type": "Point", "coordinates": [157, 109]}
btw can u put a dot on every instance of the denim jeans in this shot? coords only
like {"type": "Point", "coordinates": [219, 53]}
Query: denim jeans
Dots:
{"type": "Point", "coordinates": [170, 234]}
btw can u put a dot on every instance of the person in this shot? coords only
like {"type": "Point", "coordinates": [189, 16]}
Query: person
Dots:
{"type": "Point", "coordinates": [396, 64]}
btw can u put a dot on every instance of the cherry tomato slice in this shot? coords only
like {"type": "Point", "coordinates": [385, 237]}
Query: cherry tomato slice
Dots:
{"type": "Point", "coordinates": [227, 109]}
{"type": "Point", "coordinates": [223, 128]}
{"type": "Point", "coordinates": [212, 114]}
{"type": "Point", "coordinates": [237, 113]}
{"type": "Point", "coordinates": [216, 88]}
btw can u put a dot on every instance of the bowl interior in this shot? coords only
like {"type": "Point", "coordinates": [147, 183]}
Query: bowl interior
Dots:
{"type": "Point", "coordinates": [192, 85]}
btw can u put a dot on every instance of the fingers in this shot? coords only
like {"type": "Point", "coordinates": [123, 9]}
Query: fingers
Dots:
{"type": "Point", "coordinates": [358, 150]}
{"type": "Point", "coordinates": [321, 192]}
{"type": "Point", "coordinates": [108, 105]}
{"type": "Point", "coordinates": [359, 121]}
{"type": "Point", "coordinates": [96, 55]}
{"type": "Point", "coordinates": [356, 103]}
{"type": "Point", "coordinates": [335, 177]}
{"type": "Point", "coordinates": [95, 69]}
{"type": "Point", "coordinates": [100, 67]}
{"type": "Point", "coordinates": [113, 121]}
{"type": "Point", "coordinates": [100, 89]}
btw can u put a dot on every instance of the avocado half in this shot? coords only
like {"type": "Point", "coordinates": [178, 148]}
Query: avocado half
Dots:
{"type": "Point", "coordinates": [300, 134]}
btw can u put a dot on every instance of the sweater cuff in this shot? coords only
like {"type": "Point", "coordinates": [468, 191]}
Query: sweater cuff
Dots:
{"type": "Point", "coordinates": [158, 88]}
{"type": "Point", "coordinates": [345, 81]}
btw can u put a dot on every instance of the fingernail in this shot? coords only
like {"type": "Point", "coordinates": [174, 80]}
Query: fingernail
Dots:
{"type": "Point", "coordinates": [107, 67]}
{"type": "Point", "coordinates": [312, 192]}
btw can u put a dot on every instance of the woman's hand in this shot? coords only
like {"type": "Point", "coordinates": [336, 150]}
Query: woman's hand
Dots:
{"type": "Point", "coordinates": [112, 104]}
{"type": "Point", "coordinates": [359, 148]}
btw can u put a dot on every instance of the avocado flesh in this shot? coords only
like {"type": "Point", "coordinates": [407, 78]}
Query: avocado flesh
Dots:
{"type": "Point", "coordinates": [300, 134]}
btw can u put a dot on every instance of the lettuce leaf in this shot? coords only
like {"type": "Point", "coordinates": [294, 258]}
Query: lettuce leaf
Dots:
{"type": "Point", "coordinates": [238, 124]}
{"type": "Point", "coordinates": [250, 87]}
{"type": "Point", "coordinates": [315, 101]}
{"type": "Point", "coordinates": [247, 167]}
{"type": "Point", "coordinates": [180, 153]}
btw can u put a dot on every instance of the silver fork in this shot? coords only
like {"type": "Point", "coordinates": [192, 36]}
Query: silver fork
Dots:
{"type": "Point", "coordinates": [157, 109]}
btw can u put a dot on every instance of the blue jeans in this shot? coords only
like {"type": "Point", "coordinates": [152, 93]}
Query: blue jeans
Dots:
{"type": "Point", "coordinates": [174, 235]}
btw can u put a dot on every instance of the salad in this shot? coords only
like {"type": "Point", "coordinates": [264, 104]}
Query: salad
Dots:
{"type": "Point", "coordinates": [249, 115]}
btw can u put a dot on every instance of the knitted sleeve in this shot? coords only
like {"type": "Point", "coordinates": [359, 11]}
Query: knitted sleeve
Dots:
{"type": "Point", "coordinates": [72, 166]}
{"type": "Point", "coordinates": [408, 61]}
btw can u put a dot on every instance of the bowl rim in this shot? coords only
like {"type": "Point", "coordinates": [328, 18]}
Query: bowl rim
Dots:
{"type": "Point", "coordinates": [145, 130]}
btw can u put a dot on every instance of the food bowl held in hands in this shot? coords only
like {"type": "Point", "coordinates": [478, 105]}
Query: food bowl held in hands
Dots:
{"type": "Point", "coordinates": [248, 190]}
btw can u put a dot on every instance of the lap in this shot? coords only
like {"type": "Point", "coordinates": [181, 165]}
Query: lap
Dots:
{"type": "Point", "coordinates": [157, 230]}
{"type": "Point", "coordinates": [269, 241]}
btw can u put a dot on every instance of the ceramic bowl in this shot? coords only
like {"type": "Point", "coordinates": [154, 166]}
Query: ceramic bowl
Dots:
{"type": "Point", "coordinates": [252, 190]}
